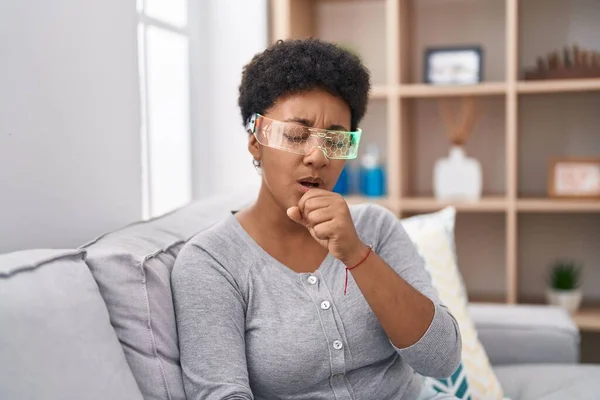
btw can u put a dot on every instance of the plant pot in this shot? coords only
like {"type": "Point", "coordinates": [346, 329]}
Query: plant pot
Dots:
{"type": "Point", "coordinates": [570, 300]}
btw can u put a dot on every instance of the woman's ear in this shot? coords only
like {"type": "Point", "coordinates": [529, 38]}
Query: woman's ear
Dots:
{"type": "Point", "coordinates": [253, 147]}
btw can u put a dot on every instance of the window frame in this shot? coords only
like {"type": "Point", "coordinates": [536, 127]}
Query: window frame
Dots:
{"type": "Point", "coordinates": [143, 23]}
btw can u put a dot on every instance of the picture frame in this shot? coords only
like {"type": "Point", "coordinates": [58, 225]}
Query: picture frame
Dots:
{"type": "Point", "coordinates": [574, 178]}
{"type": "Point", "coordinates": [458, 65]}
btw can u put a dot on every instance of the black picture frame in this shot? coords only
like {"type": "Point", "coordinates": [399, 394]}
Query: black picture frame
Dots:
{"type": "Point", "coordinates": [472, 57]}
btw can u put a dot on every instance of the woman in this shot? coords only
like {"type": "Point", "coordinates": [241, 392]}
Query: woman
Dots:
{"type": "Point", "coordinates": [299, 296]}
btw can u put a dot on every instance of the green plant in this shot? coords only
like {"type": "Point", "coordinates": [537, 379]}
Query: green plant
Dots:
{"type": "Point", "coordinates": [565, 275]}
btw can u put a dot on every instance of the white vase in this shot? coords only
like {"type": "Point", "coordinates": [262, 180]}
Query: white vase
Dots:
{"type": "Point", "coordinates": [570, 300]}
{"type": "Point", "coordinates": [457, 177]}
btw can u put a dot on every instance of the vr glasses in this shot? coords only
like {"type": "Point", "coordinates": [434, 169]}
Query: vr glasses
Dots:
{"type": "Point", "coordinates": [289, 136]}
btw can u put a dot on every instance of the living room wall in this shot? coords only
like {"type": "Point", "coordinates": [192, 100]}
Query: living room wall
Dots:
{"type": "Point", "coordinates": [69, 121]}
{"type": "Point", "coordinates": [70, 148]}
{"type": "Point", "coordinates": [233, 32]}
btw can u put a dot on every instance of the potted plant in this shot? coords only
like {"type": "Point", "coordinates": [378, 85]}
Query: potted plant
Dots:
{"type": "Point", "coordinates": [564, 285]}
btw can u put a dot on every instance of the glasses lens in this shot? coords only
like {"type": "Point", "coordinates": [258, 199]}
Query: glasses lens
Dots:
{"type": "Point", "coordinates": [302, 140]}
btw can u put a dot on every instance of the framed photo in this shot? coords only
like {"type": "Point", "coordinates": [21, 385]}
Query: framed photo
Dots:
{"type": "Point", "coordinates": [453, 65]}
{"type": "Point", "coordinates": [574, 178]}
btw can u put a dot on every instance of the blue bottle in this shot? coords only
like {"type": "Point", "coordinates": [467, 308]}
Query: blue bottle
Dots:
{"type": "Point", "coordinates": [372, 174]}
{"type": "Point", "coordinates": [342, 185]}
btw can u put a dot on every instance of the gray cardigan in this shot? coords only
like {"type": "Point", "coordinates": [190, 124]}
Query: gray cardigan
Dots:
{"type": "Point", "coordinates": [251, 328]}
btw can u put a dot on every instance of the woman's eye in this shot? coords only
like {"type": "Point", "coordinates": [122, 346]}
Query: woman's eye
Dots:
{"type": "Point", "coordinates": [336, 142]}
{"type": "Point", "coordinates": [294, 138]}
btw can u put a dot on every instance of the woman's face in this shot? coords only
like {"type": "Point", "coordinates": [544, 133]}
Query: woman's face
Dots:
{"type": "Point", "coordinates": [282, 171]}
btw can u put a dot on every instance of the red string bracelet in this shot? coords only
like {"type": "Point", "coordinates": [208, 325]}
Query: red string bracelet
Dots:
{"type": "Point", "coordinates": [351, 268]}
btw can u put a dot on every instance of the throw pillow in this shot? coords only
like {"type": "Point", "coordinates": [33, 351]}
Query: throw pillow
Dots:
{"type": "Point", "coordinates": [132, 267]}
{"type": "Point", "coordinates": [475, 378]}
{"type": "Point", "coordinates": [56, 340]}
{"type": "Point", "coordinates": [446, 217]}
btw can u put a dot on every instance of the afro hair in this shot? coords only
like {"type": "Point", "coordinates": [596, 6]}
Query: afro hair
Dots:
{"type": "Point", "coordinates": [294, 66]}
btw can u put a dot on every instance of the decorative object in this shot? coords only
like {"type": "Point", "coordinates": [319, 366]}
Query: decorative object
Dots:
{"type": "Point", "coordinates": [372, 174]}
{"type": "Point", "coordinates": [475, 378]}
{"type": "Point", "coordinates": [342, 186]}
{"type": "Point", "coordinates": [571, 63]}
{"type": "Point", "coordinates": [564, 285]}
{"type": "Point", "coordinates": [453, 65]}
{"type": "Point", "coordinates": [574, 178]}
{"type": "Point", "coordinates": [458, 177]}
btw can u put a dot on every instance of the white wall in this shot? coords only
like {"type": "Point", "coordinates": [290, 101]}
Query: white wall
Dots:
{"type": "Point", "coordinates": [69, 121]}
{"type": "Point", "coordinates": [236, 31]}
{"type": "Point", "coordinates": [550, 25]}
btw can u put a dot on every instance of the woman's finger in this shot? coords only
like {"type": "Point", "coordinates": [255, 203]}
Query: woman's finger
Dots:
{"type": "Point", "coordinates": [318, 216]}
{"type": "Point", "coordinates": [324, 230]}
{"type": "Point", "coordinates": [312, 193]}
{"type": "Point", "coordinates": [314, 203]}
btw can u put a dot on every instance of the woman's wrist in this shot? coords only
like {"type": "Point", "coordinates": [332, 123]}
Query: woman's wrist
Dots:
{"type": "Point", "coordinates": [356, 255]}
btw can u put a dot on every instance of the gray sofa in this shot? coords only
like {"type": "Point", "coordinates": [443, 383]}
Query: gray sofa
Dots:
{"type": "Point", "coordinates": [97, 322]}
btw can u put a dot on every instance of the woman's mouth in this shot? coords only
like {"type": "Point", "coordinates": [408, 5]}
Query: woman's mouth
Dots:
{"type": "Point", "coordinates": [310, 183]}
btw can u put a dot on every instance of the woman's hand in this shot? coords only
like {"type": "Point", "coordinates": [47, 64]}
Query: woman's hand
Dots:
{"type": "Point", "coordinates": [327, 217]}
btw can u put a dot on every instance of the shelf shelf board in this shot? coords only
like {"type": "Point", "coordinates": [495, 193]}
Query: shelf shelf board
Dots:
{"type": "Point", "coordinates": [383, 201]}
{"type": "Point", "coordinates": [558, 86]}
{"type": "Point", "coordinates": [425, 90]}
{"type": "Point", "coordinates": [343, 1]}
{"type": "Point", "coordinates": [486, 204]}
{"type": "Point", "coordinates": [479, 298]}
{"type": "Point", "coordinates": [557, 205]}
{"type": "Point", "coordinates": [379, 92]}
{"type": "Point", "coordinates": [588, 319]}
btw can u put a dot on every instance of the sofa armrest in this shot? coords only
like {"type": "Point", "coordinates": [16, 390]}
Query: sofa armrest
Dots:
{"type": "Point", "coordinates": [519, 334]}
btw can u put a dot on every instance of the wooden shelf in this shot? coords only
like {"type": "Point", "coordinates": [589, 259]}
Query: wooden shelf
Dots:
{"type": "Point", "coordinates": [542, 205]}
{"type": "Point", "coordinates": [342, 1]}
{"type": "Point", "coordinates": [486, 204]}
{"type": "Point", "coordinates": [428, 204]}
{"type": "Point", "coordinates": [475, 298]}
{"type": "Point", "coordinates": [558, 86]}
{"type": "Point", "coordinates": [508, 234]}
{"type": "Point", "coordinates": [379, 92]}
{"type": "Point", "coordinates": [588, 319]}
{"type": "Point", "coordinates": [424, 90]}
{"type": "Point", "coordinates": [383, 201]}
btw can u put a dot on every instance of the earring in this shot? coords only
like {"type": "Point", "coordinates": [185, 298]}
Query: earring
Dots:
{"type": "Point", "coordinates": [256, 163]}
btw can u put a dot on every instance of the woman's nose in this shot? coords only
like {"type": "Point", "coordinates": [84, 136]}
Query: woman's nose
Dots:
{"type": "Point", "coordinates": [316, 157]}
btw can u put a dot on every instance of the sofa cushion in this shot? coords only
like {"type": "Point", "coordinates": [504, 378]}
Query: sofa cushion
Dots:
{"type": "Point", "coordinates": [550, 381]}
{"type": "Point", "coordinates": [56, 341]}
{"type": "Point", "coordinates": [446, 218]}
{"type": "Point", "coordinates": [133, 268]}
{"type": "Point", "coordinates": [475, 378]}
{"type": "Point", "coordinates": [523, 333]}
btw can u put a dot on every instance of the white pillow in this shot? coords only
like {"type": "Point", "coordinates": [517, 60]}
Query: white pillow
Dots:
{"type": "Point", "coordinates": [446, 217]}
{"type": "Point", "coordinates": [475, 379]}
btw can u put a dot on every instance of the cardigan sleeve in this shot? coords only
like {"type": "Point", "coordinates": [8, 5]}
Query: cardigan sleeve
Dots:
{"type": "Point", "coordinates": [438, 352]}
{"type": "Point", "coordinates": [210, 316]}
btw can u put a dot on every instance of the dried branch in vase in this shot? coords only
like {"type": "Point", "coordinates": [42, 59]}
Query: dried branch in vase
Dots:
{"type": "Point", "coordinates": [459, 122]}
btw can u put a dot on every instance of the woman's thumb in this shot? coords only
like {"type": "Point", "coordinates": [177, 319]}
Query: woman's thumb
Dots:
{"type": "Point", "coordinates": [295, 214]}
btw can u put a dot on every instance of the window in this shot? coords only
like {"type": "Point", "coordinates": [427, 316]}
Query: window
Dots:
{"type": "Point", "coordinates": [163, 36]}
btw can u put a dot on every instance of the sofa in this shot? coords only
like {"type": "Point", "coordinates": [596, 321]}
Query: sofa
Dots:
{"type": "Point", "coordinates": [97, 321]}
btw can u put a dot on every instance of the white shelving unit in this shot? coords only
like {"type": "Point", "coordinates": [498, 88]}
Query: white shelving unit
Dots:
{"type": "Point", "coordinates": [502, 252]}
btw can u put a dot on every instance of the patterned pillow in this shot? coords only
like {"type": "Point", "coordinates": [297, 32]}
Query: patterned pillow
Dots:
{"type": "Point", "coordinates": [447, 218]}
{"type": "Point", "coordinates": [475, 378]}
